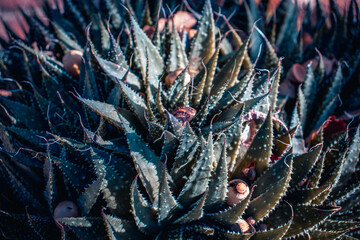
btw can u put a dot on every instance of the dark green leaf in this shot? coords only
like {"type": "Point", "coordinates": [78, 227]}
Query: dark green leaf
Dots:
{"type": "Point", "coordinates": [263, 204]}
{"type": "Point", "coordinates": [118, 228]}
{"type": "Point", "coordinates": [218, 181]}
{"type": "Point", "coordinates": [231, 215]}
{"type": "Point", "coordinates": [306, 217]}
{"type": "Point", "coordinates": [198, 181]}
{"type": "Point", "coordinates": [229, 72]}
{"type": "Point", "coordinates": [203, 45]}
{"type": "Point", "coordinates": [185, 152]}
{"type": "Point", "coordinates": [303, 163]}
{"type": "Point", "coordinates": [259, 151]}
{"type": "Point", "coordinates": [195, 213]}
{"type": "Point", "coordinates": [167, 202]}
{"type": "Point", "coordinates": [306, 195]}
{"type": "Point", "coordinates": [144, 214]}
{"type": "Point", "coordinates": [86, 227]}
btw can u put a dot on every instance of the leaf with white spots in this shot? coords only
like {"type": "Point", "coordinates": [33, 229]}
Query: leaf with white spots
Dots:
{"type": "Point", "coordinates": [195, 213]}
{"type": "Point", "coordinates": [232, 214]}
{"type": "Point", "coordinates": [144, 214]}
{"type": "Point", "coordinates": [86, 227]}
{"type": "Point", "coordinates": [147, 164]}
{"type": "Point", "coordinates": [198, 181]}
{"type": "Point", "coordinates": [185, 152]}
{"type": "Point", "coordinates": [259, 151]}
{"type": "Point", "coordinates": [263, 204]}
{"type": "Point", "coordinates": [218, 182]}
{"type": "Point", "coordinates": [303, 163]}
{"type": "Point", "coordinates": [203, 45]}
{"type": "Point", "coordinates": [167, 202]}
{"type": "Point", "coordinates": [118, 228]}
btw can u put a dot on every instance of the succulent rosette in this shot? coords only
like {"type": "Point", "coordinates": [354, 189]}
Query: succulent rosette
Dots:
{"type": "Point", "coordinates": [110, 134]}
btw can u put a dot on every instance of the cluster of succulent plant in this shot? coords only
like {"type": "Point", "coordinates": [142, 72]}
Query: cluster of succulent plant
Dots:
{"type": "Point", "coordinates": [119, 124]}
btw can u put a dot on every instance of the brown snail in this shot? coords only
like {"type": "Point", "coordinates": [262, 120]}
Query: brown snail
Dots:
{"type": "Point", "coordinates": [65, 209]}
{"type": "Point", "coordinates": [184, 114]}
{"type": "Point", "coordinates": [297, 73]}
{"type": "Point", "coordinates": [238, 190]}
{"type": "Point", "coordinates": [72, 62]}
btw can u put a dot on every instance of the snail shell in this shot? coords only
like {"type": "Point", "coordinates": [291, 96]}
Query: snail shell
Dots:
{"type": "Point", "coordinates": [65, 209]}
{"type": "Point", "coordinates": [184, 114]}
{"type": "Point", "coordinates": [241, 226]}
{"type": "Point", "coordinates": [238, 190]}
{"type": "Point", "coordinates": [72, 62]}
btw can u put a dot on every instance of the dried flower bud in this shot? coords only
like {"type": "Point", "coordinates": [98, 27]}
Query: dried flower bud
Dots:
{"type": "Point", "coordinates": [149, 31]}
{"type": "Point", "coordinates": [249, 133]}
{"type": "Point", "coordinates": [262, 227]}
{"type": "Point", "coordinates": [72, 62]}
{"type": "Point", "coordinates": [181, 19]}
{"type": "Point", "coordinates": [307, 39]}
{"type": "Point", "coordinates": [238, 190]}
{"type": "Point", "coordinates": [170, 78]}
{"type": "Point", "coordinates": [250, 221]}
{"type": "Point", "coordinates": [192, 33]}
{"type": "Point", "coordinates": [5, 93]}
{"type": "Point", "coordinates": [250, 173]}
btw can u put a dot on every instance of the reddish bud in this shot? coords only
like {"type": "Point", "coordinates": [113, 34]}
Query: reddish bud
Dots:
{"type": "Point", "coordinates": [192, 33]}
{"type": "Point", "coordinates": [149, 31]}
{"type": "Point", "coordinates": [262, 227]}
{"type": "Point", "coordinates": [170, 78]}
{"type": "Point", "coordinates": [186, 19]}
{"type": "Point", "coordinates": [333, 125]}
{"type": "Point", "coordinates": [182, 19]}
{"type": "Point", "coordinates": [307, 39]}
{"type": "Point", "coordinates": [250, 221]}
{"type": "Point", "coordinates": [274, 157]}
{"type": "Point", "coordinates": [5, 93]}
{"type": "Point", "coordinates": [250, 173]}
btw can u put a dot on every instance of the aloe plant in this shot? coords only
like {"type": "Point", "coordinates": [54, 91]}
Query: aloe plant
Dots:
{"type": "Point", "coordinates": [114, 135]}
